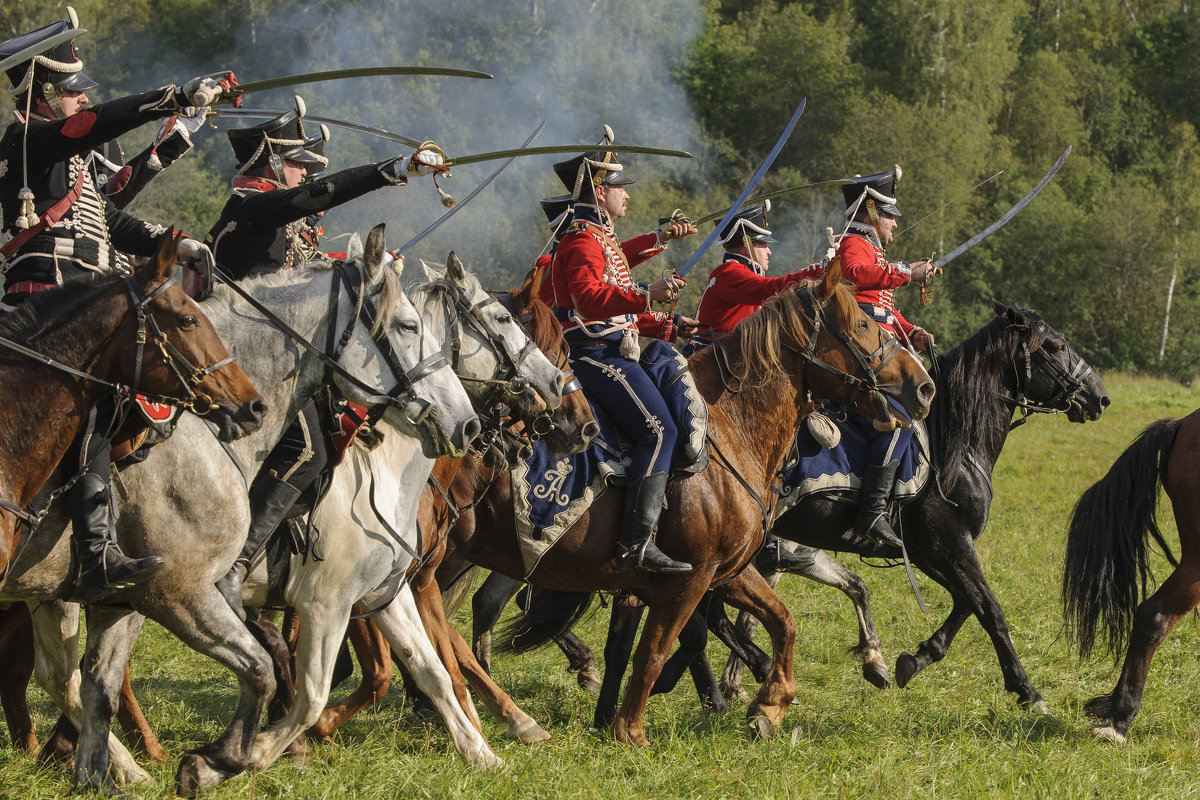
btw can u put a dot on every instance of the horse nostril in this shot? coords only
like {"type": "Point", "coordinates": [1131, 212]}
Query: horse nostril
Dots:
{"type": "Point", "coordinates": [470, 430]}
{"type": "Point", "coordinates": [591, 430]}
{"type": "Point", "coordinates": [1105, 401]}
{"type": "Point", "coordinates": [927, 391]}
{"type": "Point", "coordinates": [259, 408]}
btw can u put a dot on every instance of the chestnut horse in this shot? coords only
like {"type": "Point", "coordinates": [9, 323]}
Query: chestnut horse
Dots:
{"type": "Point", "coordinates": [756, 389]}
{"type": "Point", "coordinates": [67, 348]}
{"type": "Point", "coordinates": [1106, 568]}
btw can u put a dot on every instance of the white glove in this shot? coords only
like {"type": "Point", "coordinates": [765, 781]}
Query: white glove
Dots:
{"type": "Point", "coordinates": [187, 121]}
{"type": "Point", "coordinates": [191, 250]}
{"type": "Point", "coordinates": [422, 162]}
{"type": "Point", "coordinates": [205, 91]}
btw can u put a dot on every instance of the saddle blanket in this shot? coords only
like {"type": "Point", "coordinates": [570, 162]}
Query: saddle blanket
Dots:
{"type": "Point", "coordinates": [814, 468]}
{"type": "Point", "coordinates": [552, 490]}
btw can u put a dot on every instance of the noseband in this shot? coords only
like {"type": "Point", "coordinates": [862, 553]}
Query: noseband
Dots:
{"type": "Point", "coordinates": [1068, 383]}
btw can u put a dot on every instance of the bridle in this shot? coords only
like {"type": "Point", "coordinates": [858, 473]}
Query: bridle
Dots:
{"type": "Point", "coordinates": [1068, 382]}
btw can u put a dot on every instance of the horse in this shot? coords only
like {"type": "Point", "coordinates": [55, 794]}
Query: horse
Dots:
{"type": "Point", "coordinates": [571, 427]}
{"type": "Point", "coordinates": [1016, 362]}
{"type": "Point", "coordinates": [368, 518]}
{"type": "Point", "coordinates": [1106, 569]}
{"type": "Point", "coordinates": [756, 388]}
{"type": "Point", "coordinates": [140, 332]}
{"type": "Point", "coordinates": [187, 501]}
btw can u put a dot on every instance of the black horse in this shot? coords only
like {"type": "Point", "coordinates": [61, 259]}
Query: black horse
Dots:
{"type": "Point", "coordinates": [1015, 363]}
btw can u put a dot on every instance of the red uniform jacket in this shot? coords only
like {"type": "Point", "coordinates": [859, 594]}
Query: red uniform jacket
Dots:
{"type": "Point", "coordinates": [592, 285]}
{"type": "Point", "coordinates": [735, 290]}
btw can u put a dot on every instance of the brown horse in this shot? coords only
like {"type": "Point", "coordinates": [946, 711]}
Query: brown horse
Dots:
{"type": "Point", "coordinates": [1106, 567]}
{"type": "Point", "coordinates": [756, 392]}
{"type": "Point", "coordinates": [143, 333]}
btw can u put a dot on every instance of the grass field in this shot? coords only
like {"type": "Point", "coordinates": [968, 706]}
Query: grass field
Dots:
{"type": "Point", "coordinates": [953, 732]}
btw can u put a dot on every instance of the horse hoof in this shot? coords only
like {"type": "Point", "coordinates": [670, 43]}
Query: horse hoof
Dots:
{"type": "Point", "coordinates": [906, 669]}
{"type": "Point", "coordinates": [1040, 707]}
{"type": "Point", "coordinates": [1108, 733]}
{"type": "Point", "coordinates": [589, 680]}
{"type": "Point", "coordinates": [761, 727]}
{"type": "Point", "coordinates": [195, 775]}
{"type": "Point", "coordinates": [737, 696]}
{"type": "Point", "coordinates": [300, 751]}
{"type": "Point", "coordinates": [877, 676]}
{"type": "Point", "coordinates": [526, 732]}
{"type": "Point", "coordinates": [98, 784]}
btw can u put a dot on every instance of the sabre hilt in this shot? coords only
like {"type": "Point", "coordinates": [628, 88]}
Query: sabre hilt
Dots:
{"type": "Point", "coordinates": [932, 273]}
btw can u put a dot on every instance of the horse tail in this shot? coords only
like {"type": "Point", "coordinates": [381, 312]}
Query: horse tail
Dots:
{"type": "Point", "coordinates": [547, 614]}
{"type": "Point", "coordinates": [1105, 573]}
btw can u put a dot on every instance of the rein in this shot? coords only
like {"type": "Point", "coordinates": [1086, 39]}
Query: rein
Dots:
{"type": "Point", "coordinates": [1067, 383]}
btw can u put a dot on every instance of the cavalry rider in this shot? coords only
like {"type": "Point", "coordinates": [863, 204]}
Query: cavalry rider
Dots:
{"type": "Point", "coordinates": [735, 290]}
{"type": "Point", "coordinates": [647, 392]}
{"type": "Point", "coordinates": [872, 219]}
{"type": "Point", "coordinates": [59, 229]}
{"type": "Point", "coordinates": [558, 217]}
{"type": "Point", "coordinates": [269, 223]}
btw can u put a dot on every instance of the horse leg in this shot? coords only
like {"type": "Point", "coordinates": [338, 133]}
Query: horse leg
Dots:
{"type": "Point", "coordinates": [692, 641]}
{"type": "Point", "coordinates": [262, 628]}
{"type": "Point", "coordinates": [749, 591]}
{"type": "Point", "coordinates": [580, 660]}
{"type": "Point", "coordinates": [375, 657]}
{"type": "Point", "coordinates": [133, 722]}
{"type": "Point", "coordinates": [199, 616]}
{"type": "Point", "coordinates": [487, 604]}
{"type": "Point", "coordinates": [739, 637]}
{"type": "Point", "coordinates": [1156, 616]}
{"type": "Point", "coordinates": [16, 670]}
{"type": "Point", "coordinates": [953, 562]}
{"type": "Point", "coordinates": [400, 623]}
{"type": "Point", "coordinates": [869, 650]}
{"type": "Point", "coordinates": [675, 598]}
{"type": "Point", "coordinates": [428, 600]}
{"type": "Point", "coordinates": [618, 647]}
{"type": "Point", "coordinates": [56, 669]}
{"type": "Point", "coordinates": [932, 649]}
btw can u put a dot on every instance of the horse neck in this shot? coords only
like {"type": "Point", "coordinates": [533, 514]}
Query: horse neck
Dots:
{"type": "Point", "coordinates": [968, 416]}
{"type": "Point", "coordinates": [46, 408]}
{"type": "Point", "coordinates": [286, 374]}
{"type": "Point", "coordinates": [754, 427]}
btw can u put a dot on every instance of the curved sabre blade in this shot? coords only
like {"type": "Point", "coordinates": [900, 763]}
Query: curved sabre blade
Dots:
{"type": "Point", "coordinates": [555, 149]}
{"type": "Point", "coordinates": [1012, 212]}
{"type": "Point", "coordinates": [486, 181]}
{"type": "Point", "coordinates": [341, 74]}
{"type": "Point", "coordinates": [264, 113]}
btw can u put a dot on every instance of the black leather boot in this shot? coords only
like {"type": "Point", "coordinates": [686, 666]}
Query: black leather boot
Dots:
{"type": "Point", "coordinates": [644, 499]}
{"type": "Point", "coordinates": [102, 565]}
{"type": "Point", "coordinates": [270, 501]}
{"type": "Point", "coordinates": [774, 557]}
{"type": "Point", "coordinates": [872, 520]}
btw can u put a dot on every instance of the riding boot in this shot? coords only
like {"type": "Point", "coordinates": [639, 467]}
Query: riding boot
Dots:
{"type": "Point", "coordinates": [774, 557]}
{"type": "Point", "coordinates": [872, 520]}
{"type": "Point", "coordinates": [644, 500]}
{"type": "Point", "coordinates": [270, 501]}
{"type": "Point", "coordinates": [102, 565]}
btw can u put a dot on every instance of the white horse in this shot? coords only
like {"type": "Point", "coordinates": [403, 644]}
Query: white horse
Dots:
{"type": "Point", "coordinates": [368, 518]}
{"type": "Point", "coordinates": [188, 503]}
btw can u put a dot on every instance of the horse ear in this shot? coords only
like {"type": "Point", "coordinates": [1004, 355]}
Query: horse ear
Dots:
{"type": "Point", "coordinates": [162, 265]}
{"type": "Point", "coordinates": [373, 252]}
{"type": "Point", "coordinates": [354, 247]}
{"type": "Point", "coordinates": [832, 278]}
{"type": "Point", "coordinates": [455, 270]}
{"type": "Point", "coordinates": [1012, 315]}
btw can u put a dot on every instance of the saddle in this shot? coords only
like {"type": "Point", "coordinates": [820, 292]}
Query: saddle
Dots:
{"type": "Point", "coordinates": [813, 468]}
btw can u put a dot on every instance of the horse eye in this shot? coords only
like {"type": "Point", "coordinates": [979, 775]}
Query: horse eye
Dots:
{"type": "Point", "coordinates": [504, 319]}
{"type": "Point", "coordinates": [408, 327]}
{"type": "Point", "coordinates": [189, 322]}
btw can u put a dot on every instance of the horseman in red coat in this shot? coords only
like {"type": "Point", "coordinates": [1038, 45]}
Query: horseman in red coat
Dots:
{"type": "Point", "coordinates": [647, 392]}
{"type": "Point", "coordinates": [872, 218]}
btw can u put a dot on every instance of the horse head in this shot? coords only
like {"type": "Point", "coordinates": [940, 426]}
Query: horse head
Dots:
{"type": "Point", "coordinates": [855, 361]}
{"type": "Point", "coordinates": [490, 352]}
{"type": "Point", "coordinates": [179, 355]}
{"type": "Point", "coordinates": [571, 427]}
{"type": "Point", "coordinates": [1050, 375]}
{"type": "Point", "coordinates": [398, 353]}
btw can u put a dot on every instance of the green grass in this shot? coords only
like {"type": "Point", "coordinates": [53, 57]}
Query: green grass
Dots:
{"type": "Point", "coordinates": [953, 733]}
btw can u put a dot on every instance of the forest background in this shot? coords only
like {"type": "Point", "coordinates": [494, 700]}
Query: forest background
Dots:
{"type": "Point", "coordinates": [954, 92]}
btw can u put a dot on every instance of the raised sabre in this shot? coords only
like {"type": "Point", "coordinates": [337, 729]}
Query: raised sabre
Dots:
{"type": "Point", "coordinates": [234, 92]}
{"type": "Point", "coordinates": [555, 149]}
{"type": "Point", "coordinates": [486, 181]}
{"type": "Point", "coordinates": [936, 267]}
{"type": "Point", "coordinates": [333, 122]}
{"type": "Point", "coordinates": [737, 204]}
{"type": "Point", "coordinates": [762, 197]}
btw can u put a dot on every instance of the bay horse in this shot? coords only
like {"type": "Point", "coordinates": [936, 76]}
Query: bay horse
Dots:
{"type": "Point", "coordinates": [187, 501]}
{"type": "Point", "coordinates": [1107, 568]}
{"type": "Point", "coordinates": [1015, 363]}
{"type": "Point", "coordinates": [756, 392]}
{"type": "Point", "coordinates": [141, 333]}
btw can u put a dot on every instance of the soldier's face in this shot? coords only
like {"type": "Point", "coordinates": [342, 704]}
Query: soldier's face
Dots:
{"type": "Point", "coordinates": [887, 227]}
{"type": "Point", "coordinates": [72, 102]}
{"type": "Point", "coordinates": [762, 254]}
{"type": "Point", "coordinates": [613, 199]}
{"type": "Point", "coordinates": [293, 173]}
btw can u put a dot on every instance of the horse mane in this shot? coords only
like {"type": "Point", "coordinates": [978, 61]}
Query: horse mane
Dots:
{"type": "Point", "coordinates": [969, 412]}
{"type": "Point", "coordinates": [784, 316]}
{"type": "Point", "coordinates": [547, 333]}
{"type": "Point", "coordinates": [42, 312]}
